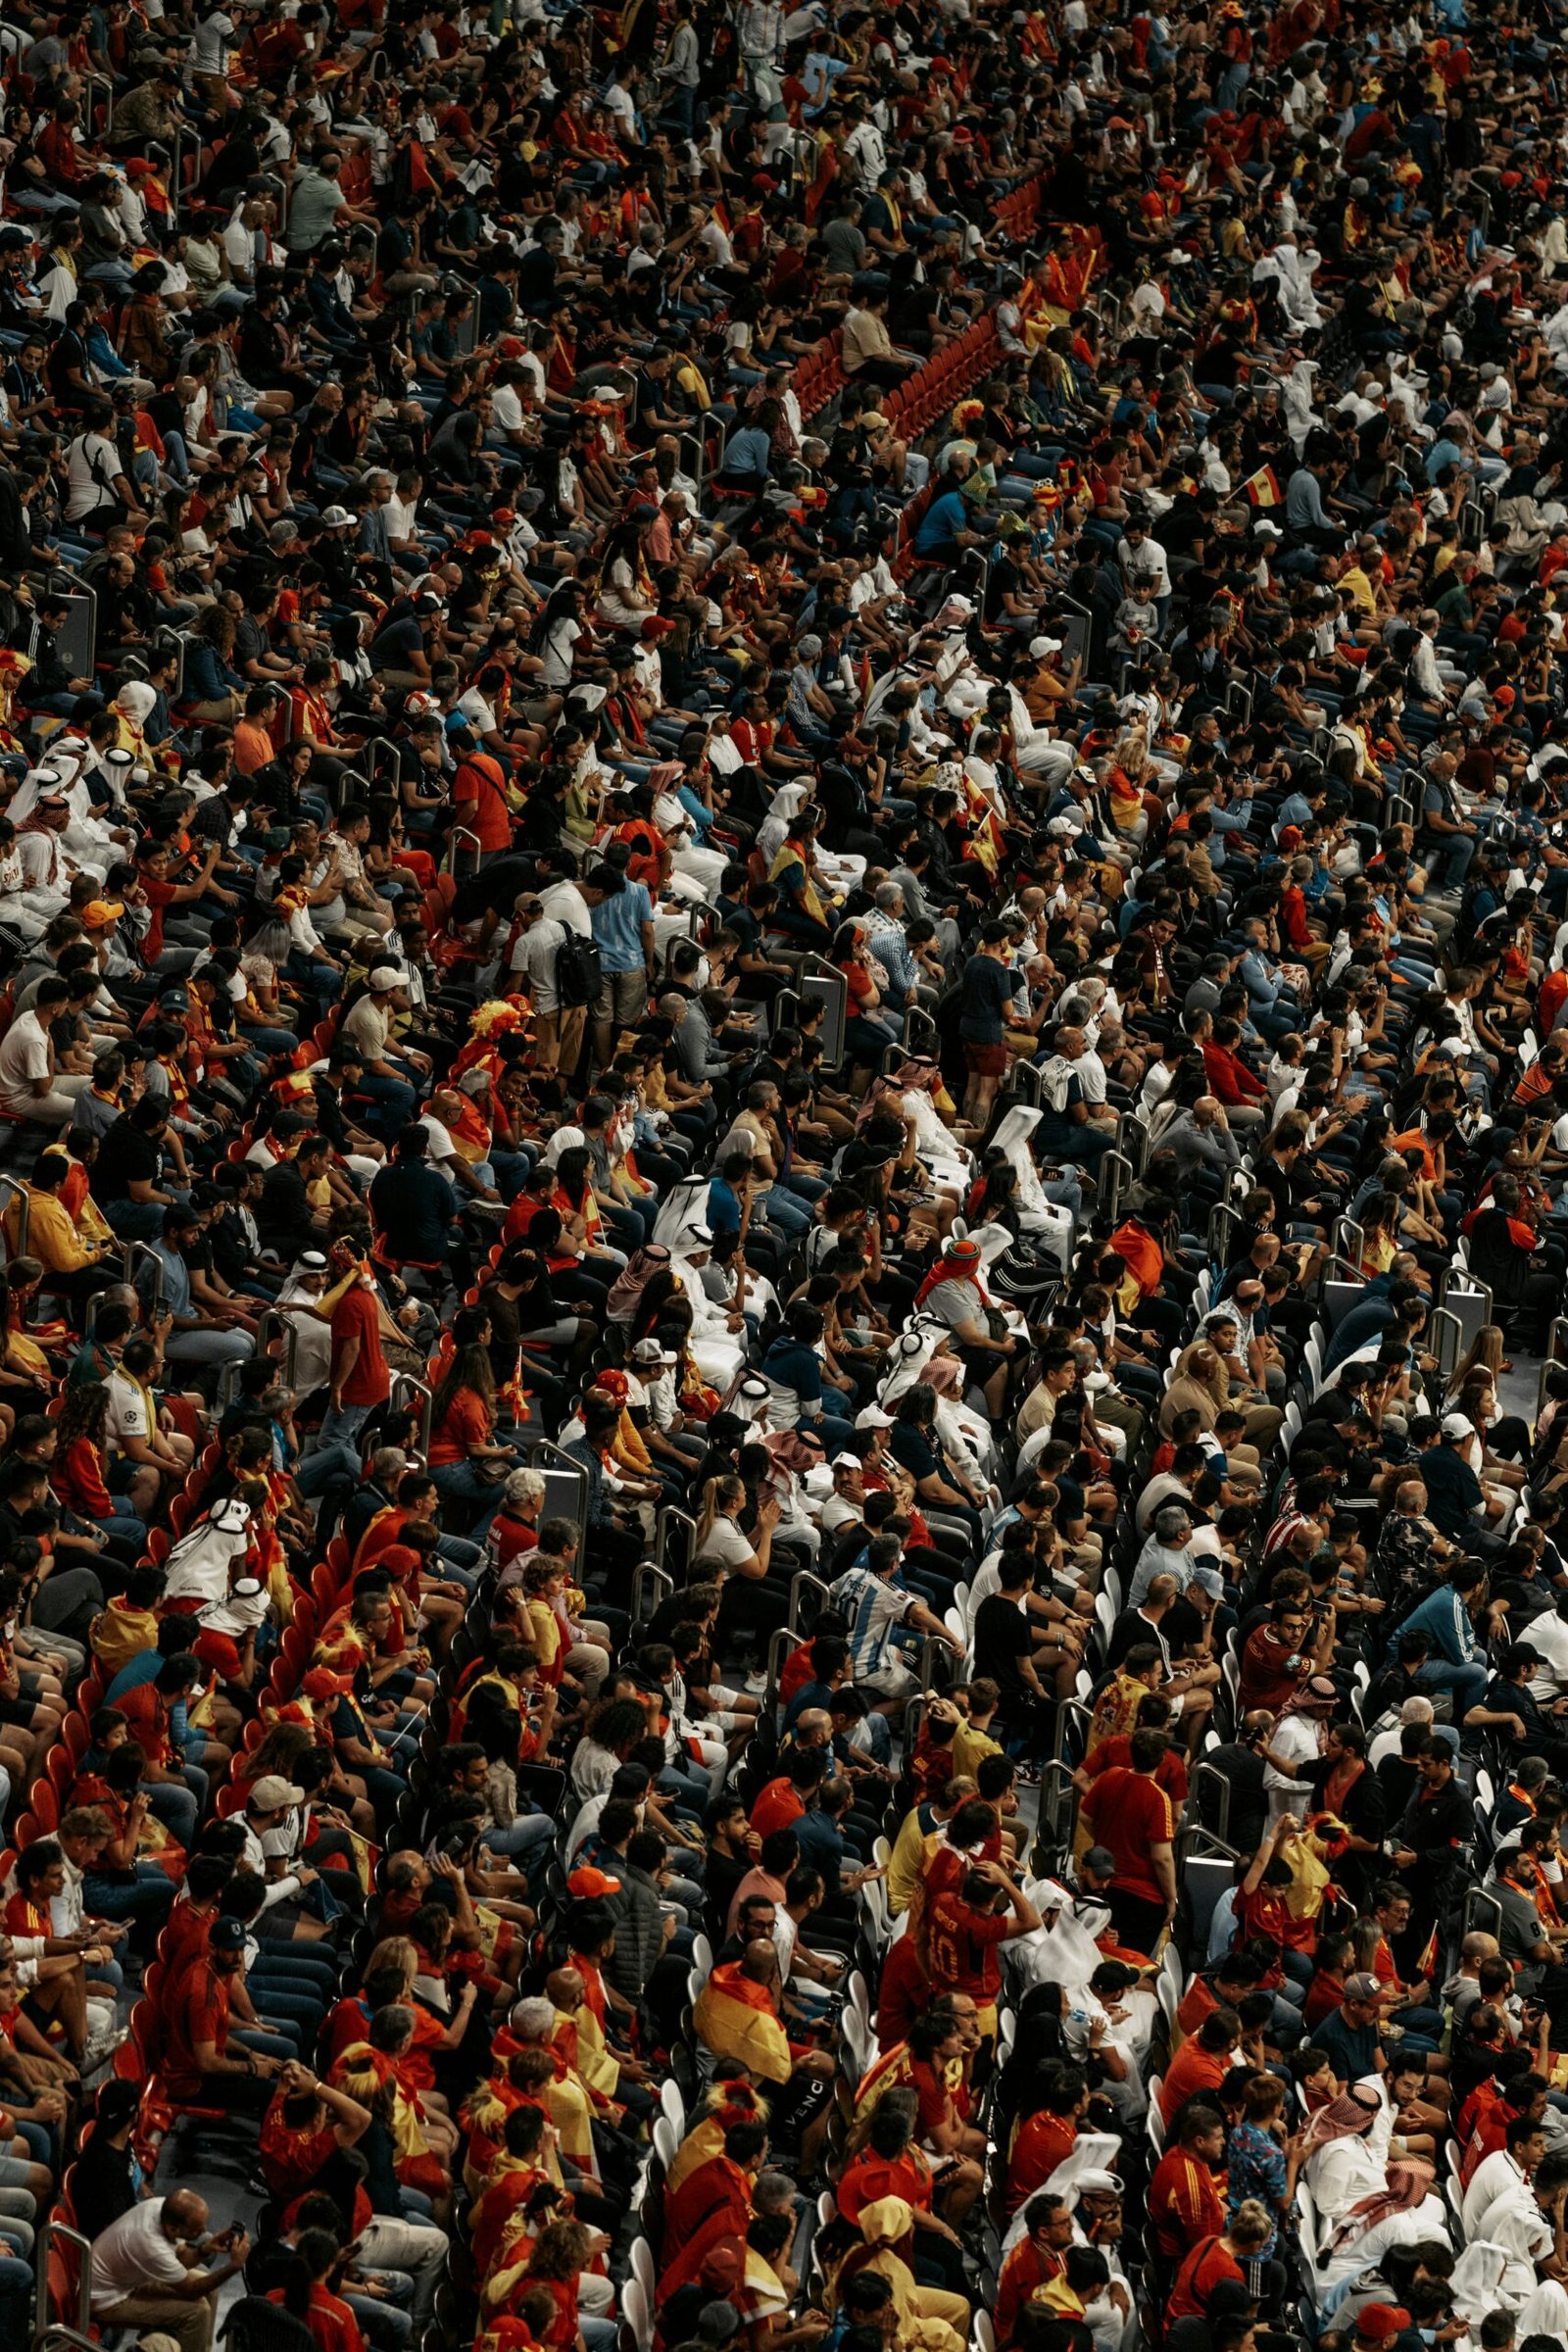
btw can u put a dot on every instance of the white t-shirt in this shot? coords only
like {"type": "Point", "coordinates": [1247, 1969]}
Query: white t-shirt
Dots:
{"type": "Point", "coordinates": [726, 1545]}
{"type": "Point", "coordinates": [92, 467]}
{"type": "Point", "coordinates": [127, 1408]}
{"type": "Point", "coordinates": [1550, 1635]}
{"type": "Point", "coordinates": [134, 2256]}
{"type": "Point", "coordinates": [536, 957]}
{"type": "Point", "coordinates": [565, 904]}
{"type": "Point", "coordinates": [556, 652]}
{"type": "Point", "coordinates": [507, 408]}
{"type": "Point", "coordinates": [24, 1057]}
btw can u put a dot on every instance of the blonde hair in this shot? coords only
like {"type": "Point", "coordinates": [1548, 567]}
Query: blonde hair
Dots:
{"type": "Point", "coordinates": [719, 1497]}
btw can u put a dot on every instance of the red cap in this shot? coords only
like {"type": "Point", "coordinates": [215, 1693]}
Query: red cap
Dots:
{"type": "Point", "coordinates": [588, 1882]}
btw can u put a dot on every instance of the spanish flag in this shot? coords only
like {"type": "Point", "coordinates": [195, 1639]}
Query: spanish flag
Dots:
{"type": "Point", "coordinates": [1263, 490]}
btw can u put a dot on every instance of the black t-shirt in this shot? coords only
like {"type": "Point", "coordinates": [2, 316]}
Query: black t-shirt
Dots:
{"type": "Point", "coordinates": [1001, 1638]}
{"type": "Point", "coordinates": [396, 642]}
{"type": "Point", "coordinates": [494, 890]}
{"type": "Point", "coordinates": [126, 1156]}
{"type": "Point", "coordinates": [1248, 1806]}
{"type": "Point", "coordinates": [1002, 580]}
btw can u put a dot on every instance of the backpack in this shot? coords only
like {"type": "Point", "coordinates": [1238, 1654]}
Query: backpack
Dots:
{"type": "Point", "coordinates": [577, 972]}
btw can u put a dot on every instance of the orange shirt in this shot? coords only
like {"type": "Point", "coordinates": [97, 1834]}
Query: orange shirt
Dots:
{"type": "Point", "coordinates": [465, 1424]}
{"type": "Point", "coordinates": [1193, 2069]}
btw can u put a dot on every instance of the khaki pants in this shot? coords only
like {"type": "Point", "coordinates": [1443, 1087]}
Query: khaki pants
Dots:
{"type": "Point", "coordinates": [189, 2323]}
{"type": "Point", "coordinates": [587, 1663]}
{"type": "Point", "coordinates": [558, 1037]}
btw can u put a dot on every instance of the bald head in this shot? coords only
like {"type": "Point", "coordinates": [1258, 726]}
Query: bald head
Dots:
{"type": "Point", "coordinates": [566, 1988]}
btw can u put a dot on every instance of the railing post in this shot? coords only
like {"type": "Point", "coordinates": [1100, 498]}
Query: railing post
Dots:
{"type": "Point", "coordinates": [544, 1454]}
{"type": "Point", "coordinates": [1446, 1335]}
{"type": "Point", "coordinates": [1556, 1353]}
{"type": "Point", "coordinates": [1117, 1179]}
{"type": "Point", "coordinates": [642, 1576]}
{"type": "Point", "coordinates": [1211, 1771]}
{"type": "Point", "coordinates": [669, 1520]}
{"type": "Point", "coordinates": [404, 1384]}
{"type": "Point", "coordinates": [799, 1583]}
{"type": "Point", "coordinates": [460, 834]}
{"type": "Point", "coordinates": [14, 1183]}
{"type": "Point", "coordinates": [135, 1252]}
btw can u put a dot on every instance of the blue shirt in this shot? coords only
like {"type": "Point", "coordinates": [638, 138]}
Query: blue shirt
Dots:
{"type": "Point", "coordinates": [792, 1365]}
{"type": "Point", "coordinates": [1442, 1616]}
{"type": "Point", "coordinates": [724, 1208]}
{"type": "Point", "coordinates": [177, 1280]}
{"type": "Point", "coordinates": [943, 517]}
{"type": "Point", "coordinates": [617, 928]}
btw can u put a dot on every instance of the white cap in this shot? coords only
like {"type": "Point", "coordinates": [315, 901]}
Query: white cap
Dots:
{"type": "Point", "coordinates": [871, 1416]}
{"type": "Point", "coordinates": [1456, 1425]}
{"type": "Point", "coordinates": [384, 976]}
{"type": "Point", "coordinates": [335, 517]}
{"type": "Point", "coordinates": [1040, 647]}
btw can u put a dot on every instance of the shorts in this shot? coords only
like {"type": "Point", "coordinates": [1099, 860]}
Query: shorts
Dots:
{"type": "Point", "coordinates": [984, 1062]}
{"type": "Point", "coordinates": [623, 997]}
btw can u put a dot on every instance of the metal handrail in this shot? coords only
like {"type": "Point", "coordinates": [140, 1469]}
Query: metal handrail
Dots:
{"type": "Point", "coordinates": [50, 2233]}
{"type": "Point", "coordinates": [1113, 1183]}
{"type": "Point", "coordinates": [403, 1383]}
{"type": "Point", "coordinates": [1055, 1777]}
{"type": "Point", "coordinates": [14, 1183]}
{"type": "Point", "coordinates": [669, 1516]}
{"type": "Point", "coordinates": [459, 834]}
{"type": "Point", "coordinates": [136, 1251]}
{"type": "Point", "coordinates": [374, 751]}
{"type": "Point", "coordinates": [777, 1652]}
{"type": "Point", "coordinates": [1227, 1218]}
{"type": "Point", "coordinates": [1067, 1709]}
{"type": "Point", "coordinates": [1132, 1141]}
{"type": "Point", "coordinates": [545, 1455]}
{"type": "Point", "coordinates": [664, 1586]}
{"type": "Point", "coordinates": [1193, 1833]}
{"type": "Point", "coordinates": [1558, 1335]}
{"type": "Point", "coordinates": [55, 2332]}
{"type": "Point", "coordinates": [1446, 1333]}
{"type": "Point", "coordinates": [264, 1322]}
{"type": "Point", "coordinates": [799, 1581]}
{"type": "Point", "coordinates": [1345, 1228]}
{"type": "Point", "coordinates": [1213, 1772]}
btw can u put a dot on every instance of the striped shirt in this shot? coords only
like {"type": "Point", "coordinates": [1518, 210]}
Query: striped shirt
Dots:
{"type": "Point", "coordinates": [873, 1607]}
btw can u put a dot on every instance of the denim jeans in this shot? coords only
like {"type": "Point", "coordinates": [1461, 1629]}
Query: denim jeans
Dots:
{"type": "Point", "coordinates": [1467, 1683]}
{"type": "Point", "coordinates": [462, 1483]}
{"type": "Point", "coordinates": [339, 1433]}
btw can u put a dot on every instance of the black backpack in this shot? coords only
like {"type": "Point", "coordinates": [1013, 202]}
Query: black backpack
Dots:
{"type": "Point", "coordinates": [577, 972]}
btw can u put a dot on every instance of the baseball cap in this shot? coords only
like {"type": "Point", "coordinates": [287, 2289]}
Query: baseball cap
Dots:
{"type": "Point", "coordinates": [871, 1416]}
{"type": "Point", "coordinates": [1457, 1425]}
{"type": "Point", "coordinates": [335, 517]}
{"type": "Point", "coordinates": [589, 1882]}
{"type": "Point", "coordinates": [99, 913]}
{"type": "Point", "coordinates": [1040, 647]}
{"type": "Point", "coordinates": [1380, 2323]}
{"type": "Point", "coordinates": [652, 1351]}
{"type": "Point", "coordinates": [385, 975]}
{"type": "Point", "coordinates": [846, 1461]}
{"type": "Point", "coordinates": [227, 1935]}
{"type": "Point", "coordinates": [273, 1793]}
{"type": "Point", "coordinates": [1362, 1986]}
{"type": "Point", "coordinates": [1099, 1859]}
